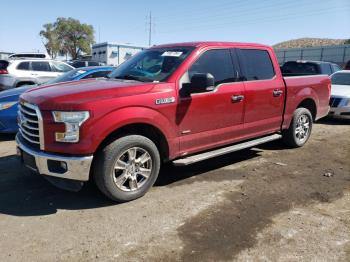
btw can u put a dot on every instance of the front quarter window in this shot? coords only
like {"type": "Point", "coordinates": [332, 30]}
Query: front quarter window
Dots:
{"type": "Point", "coordinates": [152, 65]}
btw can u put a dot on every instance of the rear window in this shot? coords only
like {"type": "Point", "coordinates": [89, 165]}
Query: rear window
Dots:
{"type": "Point", "coordinates": [3, 64]}
{"type": "Point", "coordinates": [93, 63]}
{"type": "Point", "coordinates": [258, 64]}
{"type": "Point", "coordinates": [23, 66]}
{"type": "Point", "coordinates": [41, 66]}
{"type": "Point", "coordinates": [300, 68]}
{"type": "Point", "coordinates": [60, 67]}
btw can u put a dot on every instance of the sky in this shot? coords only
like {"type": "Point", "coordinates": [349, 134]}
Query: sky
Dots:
{"type": "Point", "coordinates": [262, 21]}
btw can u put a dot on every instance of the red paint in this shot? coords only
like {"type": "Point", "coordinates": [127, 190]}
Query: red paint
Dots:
{"type": "Point", "coordinates": [191, 124]}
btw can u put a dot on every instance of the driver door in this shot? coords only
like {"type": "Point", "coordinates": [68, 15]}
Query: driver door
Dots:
{"type": "Point", "coordinates": [215, 117]}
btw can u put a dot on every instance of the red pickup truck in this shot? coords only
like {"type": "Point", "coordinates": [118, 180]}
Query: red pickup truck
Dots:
{"type": "Point", "coordinates": [183, 103]}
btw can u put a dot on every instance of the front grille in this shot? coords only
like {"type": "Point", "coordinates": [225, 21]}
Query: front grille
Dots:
{"type": "Point", "coordinates": [334, 101]}
{"type": "Point", "coordinates": [30, 122]}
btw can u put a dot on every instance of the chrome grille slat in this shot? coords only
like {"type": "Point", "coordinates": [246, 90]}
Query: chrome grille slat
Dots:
{"type": "Point", "coordinates": [27, 112]}
{"type": "Point", "coordinates": [27, 138]}
{"type": "Point", "coordinates": [28, 133]}
{"type": "Point", "coordinates": [30, 124]}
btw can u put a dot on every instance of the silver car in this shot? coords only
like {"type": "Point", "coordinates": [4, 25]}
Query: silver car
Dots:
{"type": "Point", "coordinates": [19, 72]}
{"type": "Point", "coordinates": [340, 95]}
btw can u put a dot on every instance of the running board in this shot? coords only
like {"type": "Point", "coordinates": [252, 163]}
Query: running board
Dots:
{"type": "Point", "coordinates": [222, 151]}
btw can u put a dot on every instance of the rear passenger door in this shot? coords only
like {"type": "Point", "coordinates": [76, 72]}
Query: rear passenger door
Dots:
{"type": "Point", "coordinates": [264, 93]}
{"type": "Point", "coordinates": [41, 70]}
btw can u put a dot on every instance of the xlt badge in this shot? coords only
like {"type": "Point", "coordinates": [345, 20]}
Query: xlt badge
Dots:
{"type": "Point", "coordinates": [167, 100]}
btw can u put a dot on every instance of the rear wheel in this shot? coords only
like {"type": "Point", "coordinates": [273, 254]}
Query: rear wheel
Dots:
{"type": "Point", "coordinates": [300, 128]}
{"type": "Point", "coordinates": [127, 168]}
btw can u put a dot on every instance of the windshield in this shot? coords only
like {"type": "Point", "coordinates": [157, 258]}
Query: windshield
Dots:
{"type": "Point", "coordinates": [152, 65]}
{"type": "Point", "coordinates": [341, 79]}
{"type": "Point", "coordinates": [69, 76]}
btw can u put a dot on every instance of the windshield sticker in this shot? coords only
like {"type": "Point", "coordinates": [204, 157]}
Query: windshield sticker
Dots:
{"type": "Point", "coordinates": [172, 53]}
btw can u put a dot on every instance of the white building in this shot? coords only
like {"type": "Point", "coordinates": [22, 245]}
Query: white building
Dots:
{"type": "Point", "coordinates": [113, 53]}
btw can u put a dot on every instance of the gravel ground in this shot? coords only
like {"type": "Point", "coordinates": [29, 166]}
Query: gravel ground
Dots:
{"type": "Point", "coordinates": [265, 204]}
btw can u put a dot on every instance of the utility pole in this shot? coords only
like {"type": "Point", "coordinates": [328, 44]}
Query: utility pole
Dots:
{"type": "Point", "coordinates": [150, 29]}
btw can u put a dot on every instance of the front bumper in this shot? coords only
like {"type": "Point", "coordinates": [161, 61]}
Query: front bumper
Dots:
{"type": "Point", "coordinates": [75, 168]}
{"type": "Point", "coordinates": [340, 112]}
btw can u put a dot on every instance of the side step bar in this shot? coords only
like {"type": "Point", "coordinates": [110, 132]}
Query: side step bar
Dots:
{"type": "Point", "coordinates": [222, 151]}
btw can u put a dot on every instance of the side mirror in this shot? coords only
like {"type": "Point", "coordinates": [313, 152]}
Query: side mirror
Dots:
{"type": "Point", "coordinates": [200, 83]}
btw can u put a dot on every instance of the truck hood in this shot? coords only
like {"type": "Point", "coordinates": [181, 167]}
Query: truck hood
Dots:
{"type": "Point", "coordinates": [340, 90]}
{"type": "Point", "coordinates": [72, 94]}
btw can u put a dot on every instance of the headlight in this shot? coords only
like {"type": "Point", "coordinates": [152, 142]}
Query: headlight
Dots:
{"type": "Point", "coordinates": [6, 105]}
{"type": "Point", "coordinates": [72, 121]}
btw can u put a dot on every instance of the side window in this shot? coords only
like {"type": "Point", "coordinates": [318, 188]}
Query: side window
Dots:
{"type": "Point", "coordinates": [97, 74]}
{"type": "Point", "coordinates": [23, 66]}
{"type": "Point", "coordinates": [335, 68]}
{"type": "Point", "coordinates": [216, 62]}
{"type": "Point", "coordinates": [258, 64]}
{"type": "Point", "coordinates": [326, 69]}
{"type": "Point", "coordinates": [92, 63]}
{"type": "Point", "coordinates": [41, 66]}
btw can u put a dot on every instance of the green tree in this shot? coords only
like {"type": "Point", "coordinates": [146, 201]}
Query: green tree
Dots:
{"type": "Point", "coordinates": [74, 37]}
{"type": "Point", "coordinates": [69, 36]}
{"type": "Point", "coordinates": [50, 40]}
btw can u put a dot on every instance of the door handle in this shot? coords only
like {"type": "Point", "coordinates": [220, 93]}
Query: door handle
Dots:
{"type": "Point", "coordinates": [237, 98]}
{"type": "Point", "coordinates": [277, 92]}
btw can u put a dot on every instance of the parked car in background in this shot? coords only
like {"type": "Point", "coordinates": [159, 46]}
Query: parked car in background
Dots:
{"type": "Point", "coordinates": [29, 55]}
{"type": "Point", "coordinates": [9, 98]}
{"type": "Point", "coordinates": [20, 72]}
{"type": "Point", "coordinates": [184, 103]}
{"type": "Point", "coordinates": [84, 63]}
{"type": "Point", "coordinates": [340, 95]}
{"type": "Point", "coordinates": [304, 67]}
{"type": "Point", "coordinates": [347, 66]}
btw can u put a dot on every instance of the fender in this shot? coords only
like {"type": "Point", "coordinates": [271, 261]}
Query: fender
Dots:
{"type": "Point", "coordinates": [295, 96]}
{"type": "Point", "coordinates": [134, 115]}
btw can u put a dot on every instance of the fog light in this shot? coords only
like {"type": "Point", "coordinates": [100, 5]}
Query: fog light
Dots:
{"type": "Point", "coordinates": [59, 167]}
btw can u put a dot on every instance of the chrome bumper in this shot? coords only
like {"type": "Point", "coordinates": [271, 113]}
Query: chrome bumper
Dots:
{"type": "Point", "coordinates": [76, 168]}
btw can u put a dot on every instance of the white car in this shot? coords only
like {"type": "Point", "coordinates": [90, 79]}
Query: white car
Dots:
{"type": "Point", "coordinates": [19, 72]}
{"type": "Point", "coordinates": [340, 95]}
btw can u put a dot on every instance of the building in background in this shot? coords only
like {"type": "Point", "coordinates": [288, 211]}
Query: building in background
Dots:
{"type": "Point", "coordinates": [113, 53]}
{"type": "Point", "coordinates": [338, 54]}
{"type": "Point", "coordinates": [4, 55]}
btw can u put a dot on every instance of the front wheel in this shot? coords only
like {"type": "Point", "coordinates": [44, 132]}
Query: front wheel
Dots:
{"type": "Point", "coordinates": [300, 128]}
{"type": "Point", "coordinates": [127, 168]}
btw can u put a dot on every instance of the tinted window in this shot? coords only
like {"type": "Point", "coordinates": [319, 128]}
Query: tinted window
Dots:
{"type": "Point", "coordinates": [79, 64]}
{"type": "Point", "coordinates": [3, 64]}
{"type": "Point", "coordinates": [23, 66]}
{"type": "Point", "coordinates": [60, 67]}
{"type": "Point", "coordinates": [93, 64]}
{"type": "Point", "coordinates": [335, 68]}
{"type": "Point", "coordinates": [41, 66]}
{"type": "Point", "coordinates": [216, 62]}
{"type": "Point", "coordinates": [300, 68]}
{"type": "Point", "coordinates": [97, 74]}
{"type": "Point", "coordinates": [341, 79]}
{"type": "Point", "coordinates": [258, 65]}
{"type": "Point", "coordinates": [326, 69]}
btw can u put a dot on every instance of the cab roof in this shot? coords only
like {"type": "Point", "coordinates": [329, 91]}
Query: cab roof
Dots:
{"type": "Point", "coordinates": [211, 43]}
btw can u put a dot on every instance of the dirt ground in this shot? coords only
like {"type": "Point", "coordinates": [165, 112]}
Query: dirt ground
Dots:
{"type": "Point", "coordinates": [265, 204]}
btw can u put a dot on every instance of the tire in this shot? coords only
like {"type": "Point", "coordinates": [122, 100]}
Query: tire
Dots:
{"type": "Point", "coordinates": [127, 168]}
{"type": "Point", "coordinates": [300, 128]}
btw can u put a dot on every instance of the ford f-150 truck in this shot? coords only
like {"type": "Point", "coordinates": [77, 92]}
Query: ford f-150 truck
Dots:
{"type": "Point", "coordinates": [183, 103]}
